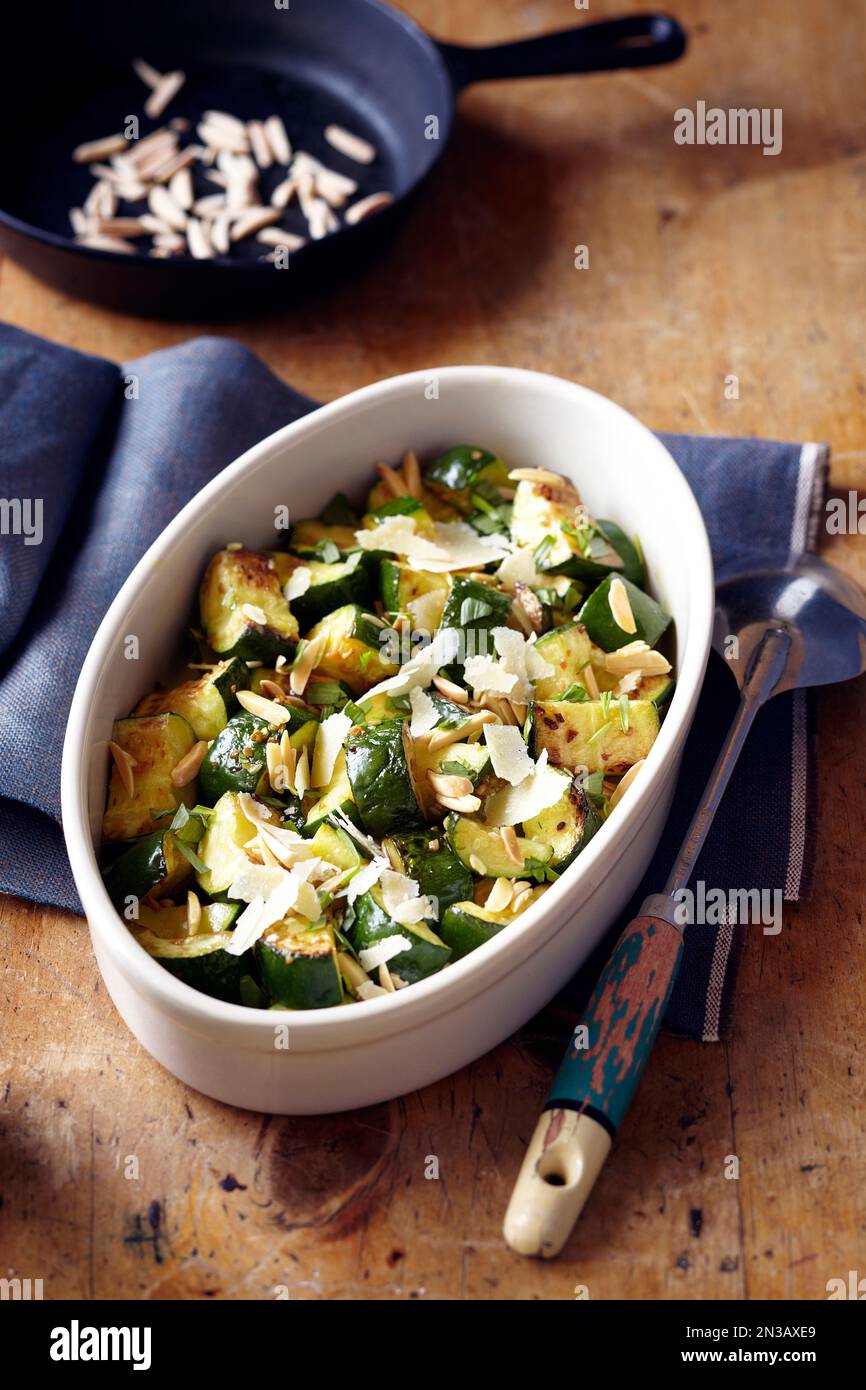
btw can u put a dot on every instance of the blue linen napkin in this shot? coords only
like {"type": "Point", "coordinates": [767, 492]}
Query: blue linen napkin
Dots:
{"type": "Point", "coordinates": [111, 454]}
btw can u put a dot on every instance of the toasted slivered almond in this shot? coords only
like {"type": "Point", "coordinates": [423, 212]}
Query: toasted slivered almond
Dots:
{"type": "Point", "coordinates": [268, 856]}
{"type": "Point", "coordinates": [278, 236]}
{"type": "Point", "coordinates": [99, 149]}
{"type": "Point", "coordinates": [620, 606]}
{"type": "Point", "coordinates": [412, 474]}
{"type": "Point", "coordinates": [590, 682]}
{"type": "Point", "coordinates": [352, 146]}
{"type": "Point", "coordinates": [302, 774]}
{"type": "Point", "coordinates": [500, 707]}
{"type": "Point", "coordinates": [227, 122]}
{"type": "Point", "coordinates": [303, 669]}
{"type": "Point", "coordinates": [391, 479]}
{"type": "Point", "coordinates": [163, 206]}
{"type": "Point", "coordinates": [210, 206]}
{"type": "Point", "coordinates": [259, 144]}
{"type": "Point", "coordinates": [448, 785]}
{"type": "Point", "coordinates": [193, 913]}
{"type": "Point", "coordinates": [352, 972]}
{"type": "Point", "coordinates": [276, 767]}
{"type": "Point", "coordinates": [521, 618]}
{"type": "Point", "coordinates": [536, 475]}
{"type": "Point", "coordinates": [148, 74]}
{"type": "Point", "coordinates": [255, 614]}
{"type": "Point", "coordinates": [186, 770]}
{"type": "Point", "coordinates": [637, 656]}
{"type": "Point", "coordinates": [433, 846]}
{"type": "Point", "coordinates": [271, 689]}
{"type": "Point", "coordinates": [125, 763]}
{"type": "Point", "coordinates": [284, 193]}
{"type": "Point", "coordinates": [252, 220]}
{"type": "Point", "coordinates": [500, 895]}
{"type": "Point", "coordinates": [385, 979]}
{"type": "Point", "coordinates": [521, 900]}
{"type": "Point", "coordinates": [476, 865]}
{"type": "Point", "coordinates": [98, 242]}
{"type": "Point", "coordinates": [219, 233]}
{"type": "Point", "coordinates": [365, 207]}
{"type": "Point", "coordinates": [320, 219]}
{"type": "Point", "coordinates": [221, 139]}
{"type": "Point", "coordinates": [180, 188]}
{"type": "Point", "coordinates": [198, 240]}
{"type": "Point", "coordinates": [508, 836]}
{"type": "Point", "coordinates": [169, 242]}
{"type": "Point", "coordinates": [519, 710]}
{"type": "Point", "coordinates": [165, 91]}
{"type": "Point", "coordinates": [122, 227]}
{"type": "Point", "coordinates": [624, 784]}
{"type": "Point", "coordinates": [262, 708]}
{"type": "Point", "coordinates": [441, 738]}
{"type": "Point", "coordinates": [628, 683]}
{"type": "Point", "coordinates": [450, 690]}
{"type": "Point", "coordinates": [278, 140]}
{"type": "Point", "coordinates": [80, 223]}
{"type": "Point", "coordinates": [463, 805]}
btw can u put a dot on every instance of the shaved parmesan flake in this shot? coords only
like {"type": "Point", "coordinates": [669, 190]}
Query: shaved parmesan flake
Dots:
{"type": "Point", "coordinates": [363, 879]}
{"type": "Point", "coordinates": [333, 731]}
{"type": "Point", "coordinates": [508, 753]}
{"type": "Point", "coordinates": [462, 548]}
{"type": "Point", "coordinates": [256, 813]}
{"type": "Point", "coordinates": [383, 951]}
{"type": "Point", "coordinates": [248, 928]}
{"type": "Point", "coordinates": [366, 842]}
{"type": "Point", "coordinates": [399, 534]}
{"type": "Point", "coordinates": [519, 568]}
{"type": "Point", "coordinates": [255, 881]}
{"type": "Point", "coordinates": [298, 582]}
{"type": "Point", "coordinates": [424, 714]}
{"type": "Point", "coordinates": [484, 673]}
{"type": "Point", "coordinates": [540, 790]}
{"type": "Point", "coordinates": [421, 668]}
{"type": "Point", "coordinates": [425, 610]}
{"type": "Point", "coordinates": [516, 655]}
{"type": "Point", "coordinates": [400, 898]}
{"type": "Point", "coordinates": [307, 902]}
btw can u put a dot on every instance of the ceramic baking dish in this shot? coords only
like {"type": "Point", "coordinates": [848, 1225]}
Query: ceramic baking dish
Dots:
{"type": "Point", "coordinates": [335, 1059]}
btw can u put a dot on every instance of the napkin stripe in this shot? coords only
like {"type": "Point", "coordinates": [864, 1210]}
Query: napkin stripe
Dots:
{"type": "Point", "coordinates": [717, 979]}
{"type": "Point", "coordinates": [799, 769]}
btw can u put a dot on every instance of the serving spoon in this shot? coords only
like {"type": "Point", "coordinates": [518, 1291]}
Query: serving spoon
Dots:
{"type": "Point", "coordinates": [779, 629]}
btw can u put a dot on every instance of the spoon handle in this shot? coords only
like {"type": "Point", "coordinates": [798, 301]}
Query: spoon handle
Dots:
{"type": "Point", "coordinates": [595, 1083]}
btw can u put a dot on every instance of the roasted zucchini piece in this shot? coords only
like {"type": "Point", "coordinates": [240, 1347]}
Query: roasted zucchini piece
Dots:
{"type": "Point", "coordinates": [550, 519]}
{"type": "Point", "coordinates": [308, 535]}
{"type": "Point", "coordinates": [426, 952]}
{"type": "Point", "coordinates": [650, 618]}
{"type": "Point", "coordinates": [157, 742]}
{"type": "Point", "coordinates": [567, 827]}
{"type": "Point", "coordinates": [354, 650]}
{"type": "Point", "coordinates": [454, 475]}
{"type": "Point", "coordinates": [381, 779]}
{"type": "Point", "coordinates": [243, 609]}
{"type": "Point", "coordinates": [331, 585]}
{"type": "Point", "coordinates": [298, 965]}
{"type": "Point", "coordinates": [400, 506]}
{"type": "Point", "coordinates": [466, 925]}
{"type": "Point", "coordinates": [337, 796]}
{"type": "Point", "coordinates": [172, 923]}
{"type": "Point", "coordinates": [587, 735]}
{"type": "Point", "coordinates": [657, 689]}
{"type": "Point", "coordinates": [474, 609]}
{"type": "Point", "coordinates": [221, 848]}
{"type": "Point", "coordinates": [236, 761]}
{"type": "Point", "coordinates": [415, 592]}
{"type": "Point", "coordinates": [432, 863]}
{"type": "Point", "coordinates": [570, 650]}
{"type": "Point", "coordinates": [201, 962]}
{"type": "Point", "coordinates": [153, 864]}
{"type": "Point", "coordinates": [482, 850]}
{"type": "Point", "coordinates": [332, 843]}
{"type": "Point", "coordinates": [207, 703]}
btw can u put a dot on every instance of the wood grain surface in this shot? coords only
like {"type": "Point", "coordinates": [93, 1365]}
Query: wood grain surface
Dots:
{"type": "Point", "coordinates": [704, 262]}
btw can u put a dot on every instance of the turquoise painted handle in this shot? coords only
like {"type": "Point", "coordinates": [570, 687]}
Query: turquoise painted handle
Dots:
{"type": "Point", "coordinates": [610, 1047]}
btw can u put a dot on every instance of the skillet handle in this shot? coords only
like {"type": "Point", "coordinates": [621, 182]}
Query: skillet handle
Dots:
{"type": "Point", "coordinates": [635, 41]}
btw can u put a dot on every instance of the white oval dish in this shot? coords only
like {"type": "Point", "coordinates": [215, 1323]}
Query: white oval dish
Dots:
{"type": "Point", "coordinates": [326, 1060]}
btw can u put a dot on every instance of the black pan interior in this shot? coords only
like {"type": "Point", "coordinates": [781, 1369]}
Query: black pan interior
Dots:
{"type": "Point", "coordinates": [68, 79]}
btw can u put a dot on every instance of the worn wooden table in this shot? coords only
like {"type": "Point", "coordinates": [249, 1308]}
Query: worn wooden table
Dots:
{"type": "Point", "coordinates": [704, 262]}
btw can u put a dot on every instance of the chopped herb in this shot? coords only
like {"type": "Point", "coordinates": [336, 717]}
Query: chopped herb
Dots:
{"type": "Point", "coordinates": [484, 525]}
{"type": "Point", "coordinates": [453, 768]}
{"type": "Point", "coordinates": [542, 550]}
{"type": "Point", "coordinates": [353, 560]}
{"type": "Point", "coordinates": [528, 725]}
{"type": "Point", "coordinates": [593, 785]}
{"type": "Point", "coordinates": [575, 694]}
{"type": "Point", "coordinates": [190, 855]}
{"type": "Point", "coordinates": [327, 552]}
{"type": "Point", "coordinates": [623, 712]}
{"type": "Point", "coordinates": [582, 535]}
{"type": "Point", "coordinates": [299, 651]}
{"type": "Point", "coordinates": [356, 713]}
{"type": "Point", "coordinates": [551, 875]}
{"type": "Point", "coordinates": [599, 733]}
{"type": "Point", "coordinates": [324, 693]}
{"type": "Point", "coordinates": [473, 609]}
{"type": "Point", "coordinates": [604, 700]}
{"type": "Point", "coordinates": [364, 660]}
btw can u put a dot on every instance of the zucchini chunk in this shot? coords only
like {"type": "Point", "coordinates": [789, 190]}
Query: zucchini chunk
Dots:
{"type": "Point", "coordinates": [201, 962]}
{"type": "Point", "coordinates": [331, 585]}
{"type": "Point", "coordinates": [650, 618]}
{"type": "Point", "coordinates": [481, 849]}
{"type": "Point", "coordinates": [466, 925]}
{"type": "Point", "coordinates": [221, 848]}
{"type": "Point", "coordinates": [569, 650]}
{"type": "Point", "coordinates": [658, 689]}
{"type": "Point", "coordinates": [157, 742]}
{"type": "Point", "coordinates": [438, 872]}
{"type": "Point", "coordinates": [236, 761]}
{"type": "Point", "coordinates": [354, 650]}
{"type": "Point", "coordinates": [152, 864]}
{"type": "Point", "coordinates": [307, 535]}
{"type": "Point", "coordinates": [237, 582]}
{"type": "Point", "coordinates": [474, 609]}
{"type": "Point", "coordinates": [298, 965]}
{"type": "Point", "coordinates": [426, 953]}
{"type": "Point", "coordinates": [337, 796]}
{"type": "Point", "coordinates": [415, 592]}
{"type": "Point", "coordinates": [332, 843]}
{"type": "Point", "coordinates": [206, 703]}
{"type": "Point", "coordinates": [567, 827]}
{"type": "Point", "coordinates": [454, 475]}
{"type": "Point", "coordinates": [545, 518]}
{"type": "Point", "coordinates": [171, 923]}
{"type": "Point", "coordinates": [582, 735]}
{"type": "Point", "coordinates": [381, 779]}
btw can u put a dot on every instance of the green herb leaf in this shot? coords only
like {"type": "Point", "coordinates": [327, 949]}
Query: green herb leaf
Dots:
{"type": "Point", "coordinates": [356, 713]}
{"type": "Point", "coordinates": [473, 609]}
{"type": "Point", "coordinates": [599, 733]}
{"type": "Point", "coordinates": [190, 855]}
{"type": "Point", "coordinates": [324, 693]}
{"type": "Point", "coordinates": [542, 550]}
{"type": "Point", "coordinates": [604, 701]}
{"type": "Point", "coordinates": [593, 785]}
{"type": "Point", "coordinates": [576, 694]}
{"type": "Point", "coordinates": [623, 712]}
{"type": "Point", "coordinates": [327, 552]}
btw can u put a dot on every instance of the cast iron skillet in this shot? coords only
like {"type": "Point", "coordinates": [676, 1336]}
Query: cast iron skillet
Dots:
{"type": "Point", "coordinates": [356, 62]}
